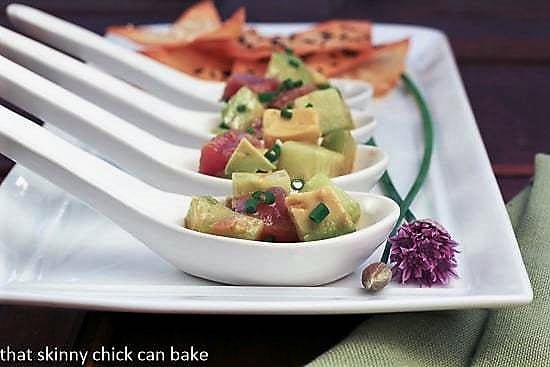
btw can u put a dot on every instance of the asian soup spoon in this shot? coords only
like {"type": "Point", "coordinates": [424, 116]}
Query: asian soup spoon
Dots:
{"type": "Point", "coordinates": [155, 218]}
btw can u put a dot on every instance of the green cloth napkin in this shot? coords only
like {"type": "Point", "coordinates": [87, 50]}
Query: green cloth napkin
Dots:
{"type": "Point", "coordinates": [517, 336]}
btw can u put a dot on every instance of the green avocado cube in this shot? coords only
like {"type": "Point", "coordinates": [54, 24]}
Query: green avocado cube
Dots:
{"type": "Point", "coordinates": [284, 65]}
{"type": "Point", "coordinates": [352, 207]}
{"type": "Point", "coordinates": [336, 223]}
{"type": "Point", "coordinates": [246, 183]}
{"type": "Point", "coordinates": [331, 107]}
{"type": "Point", "coordinates": [341, 141]}
{"type": "Point", "coordinates": [303, 160]}
{"type": "Point", "coordinates": [242, 109]}
{"type": "Point", "coordinates": [208, 215]}
{"type": "Point", "coordinates": [247, 158]}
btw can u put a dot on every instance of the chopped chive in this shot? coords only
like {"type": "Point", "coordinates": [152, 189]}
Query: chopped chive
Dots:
{"type": "Point", "coordinates": [258, 195]}
{"type": "Point", "coordinates": [250, 205]}
{"type": "Point", "coordinates": [269, 197]}
{"type": "Point", "coordinates": [273, 154]}
{"type": "Point", "coordinates": [297, 184]}
{"type": "Point", "coordinates": [298, 83]}
{"type": "Point", "coordinates": [286, 113]}
{"type": "Point", "coordinates": [223, 125]}
{"type": "Point", "coordinates": [250, 130]}
{"type": "Point", "coordinates": [323, 86]}
{"type": "Point", "coordinates": [286, 84]}
{"type": "Point", "coordinates": [264, 196]}
{"type": "Point", "coordinates": [242, 108]}
{"type": "Point", "coordinates": [289, 51]}
{"type": "Point", "coordinates": [294, 63]}
{"type": "Point", "coordinates": [319, 213]}
{"type": "Point", "coordinates": [309, 105]}
{"type": "Point", "coordinates": [290, 106]}
{"type": "Point", "coordinates": [266, 97]}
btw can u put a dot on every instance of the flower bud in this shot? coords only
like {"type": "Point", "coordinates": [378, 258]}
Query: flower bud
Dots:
{"type": "Point", "coordinates": [376, 276]}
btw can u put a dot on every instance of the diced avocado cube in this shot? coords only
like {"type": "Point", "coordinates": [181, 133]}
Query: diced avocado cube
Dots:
{"type": "Point", "coordinates": [284, 65]}
{"type": "Point", "coordinates": [341, 141]}
{"type": "Point", "coordinates": [352, 207]}
{"type": "Point", "coordinates": [239, 226]}
{"type": "Point", "coordinates": [246, 183]}
{"type": "Point", "coordinates": [303, 125]}
{"type": "Point", "coordinates": [302, 160]}
{"type": "Point", "coordinates": [318, 78]}
{"type": "Point", "coordinates": [247, 158]}
{"type": "Point", "coordinates": [336, 223]}
{"type": "Point", "coordinates": [241, 109]}
{"type": "Point", "coordinates": [333, 111]}
{"type": "Point", "coordinates": [208, 215]}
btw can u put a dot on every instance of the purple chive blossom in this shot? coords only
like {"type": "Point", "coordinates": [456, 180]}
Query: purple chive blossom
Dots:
{"type": "Point", "coordinates": [423, 252]}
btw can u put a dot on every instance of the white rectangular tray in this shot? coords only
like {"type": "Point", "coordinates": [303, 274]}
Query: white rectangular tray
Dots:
{"type": "Point", "coordinates": [54, 250]}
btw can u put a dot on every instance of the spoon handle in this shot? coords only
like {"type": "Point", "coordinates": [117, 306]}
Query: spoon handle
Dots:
{"type": "Point", "coordinates": [143, 155]}
{"type": "Point", "coordinates": [152, 114]}
{"type": "Point", "coordinates": [85, 176]}
{"type": "Point", "coordinates": [154, 77]}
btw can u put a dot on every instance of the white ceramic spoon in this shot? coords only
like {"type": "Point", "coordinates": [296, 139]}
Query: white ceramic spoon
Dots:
{"type": "Point", "coordinates": [156, 78]}
{"type": "Point", "coordinates": [164, 120]}
{"type": "Point", "coordinates": [161, 164]}
{"type": "Point", "coordinates": [154, 217]}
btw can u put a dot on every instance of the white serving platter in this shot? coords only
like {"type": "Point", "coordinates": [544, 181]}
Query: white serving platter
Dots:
{"type": "Point", "coordinates": [56, 251]}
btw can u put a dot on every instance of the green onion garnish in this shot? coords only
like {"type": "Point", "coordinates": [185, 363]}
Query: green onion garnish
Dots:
{"type": "Point", "coordinates": [294, 63]}
{"type": "Point", "coordinates": [264, 196]}
{"type": "Point", "coordinates": [297, 184]}
{"type": "Point", "coordinates": [286, 113]}
{"type": "Point", "coordinates": [266, 97]}
{"type": "Point", "coordinates": [250, 130]}
{"type": "Point", "coordinates": [286, 84]}
{"type": "Point", "coordinates": [319, 213]}
{"type": "Point", "coordinates": [324, 86]}
{"type": "Point", "coordinates": [309, 105]}
{"type": "Point", "coordinates": [223, 125]}
{"type": "Point", "coordinates": [428, 130]}
{"type": "Point", "coordinates": [269, 197]}
{"type": "Point", "coordinates": [273, 154]}
{"type": "Point", "coordinates": [250, 205]}
{"type": "Point", "coordinates": [297, 84]}
{"type": "Point", "coordinates": [289, 51]}
{"type": "Point", "coordinates": [242, 108]}
{"type": "Point", "coordinates": [257, 195]}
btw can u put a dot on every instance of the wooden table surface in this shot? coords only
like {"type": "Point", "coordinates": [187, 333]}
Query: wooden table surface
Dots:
{"type": "Point", "coordinates": [503, 51]}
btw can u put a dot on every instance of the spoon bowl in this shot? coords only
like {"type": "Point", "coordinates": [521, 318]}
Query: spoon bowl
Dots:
{"type": "Point", "coordinates": [155, 218]}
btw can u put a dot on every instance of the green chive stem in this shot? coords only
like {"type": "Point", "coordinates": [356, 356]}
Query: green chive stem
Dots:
{"type": "Point", "coordinates": [320, 212]}
{"type": "Point", "coordinates": [389, 188]}
{"type": "Point", "coordinates": [427, 125]}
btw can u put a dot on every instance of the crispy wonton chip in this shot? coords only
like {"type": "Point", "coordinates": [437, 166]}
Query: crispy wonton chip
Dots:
{"type": "Point", "coordinates": [335, 62]}
{"type": "Point", "coordinates": [231, 28]}
{"type": "Point", "coordinates": [384, 69]}
{"type": "Point", "coordinates": [202, 57]}
{"type": "Point", "coordinates": [329, 36]}
{"type": "Point", "coordinates": [253, 67]}
{"type": "Point", "coordinates": [191, 60]}
{"type": "Point", "coordinates": [250, 45]}
{"type": "Point", "coordinates": [199, 19]}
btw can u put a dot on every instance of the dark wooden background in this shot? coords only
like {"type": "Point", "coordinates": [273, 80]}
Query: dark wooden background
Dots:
{"type": "Point", "coordinates": [503, 51]}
